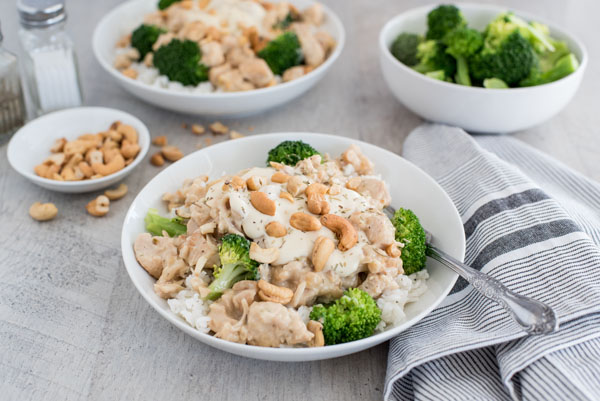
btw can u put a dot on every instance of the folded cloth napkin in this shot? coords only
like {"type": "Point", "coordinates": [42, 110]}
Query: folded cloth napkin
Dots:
{"type": "Point", "coordinates": [534, 224]}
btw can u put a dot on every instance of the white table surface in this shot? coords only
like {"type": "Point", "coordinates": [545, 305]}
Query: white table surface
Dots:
{"type": "Point", "coordinates": [73, 327]}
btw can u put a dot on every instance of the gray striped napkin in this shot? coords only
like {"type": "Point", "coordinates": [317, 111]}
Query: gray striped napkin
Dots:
{"type": "Point", "coordinates": [534, 224]}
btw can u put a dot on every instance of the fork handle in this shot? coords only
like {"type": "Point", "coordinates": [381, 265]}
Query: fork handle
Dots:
{"type": "Point", "coordinates": [534, 316]}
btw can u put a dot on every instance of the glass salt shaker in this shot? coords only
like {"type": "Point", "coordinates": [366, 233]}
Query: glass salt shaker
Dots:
{"type": "Point", "coordinates": [52, 78]}
{"type": "Point", "coordinates": [12, 106]}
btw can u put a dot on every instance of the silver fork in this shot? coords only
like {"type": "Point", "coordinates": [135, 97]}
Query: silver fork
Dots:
{"type": "Point", "coordinates": [535, 317]}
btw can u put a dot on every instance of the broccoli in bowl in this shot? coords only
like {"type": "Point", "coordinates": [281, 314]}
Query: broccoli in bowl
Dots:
{"type": "Point", "coordinates": [508, 53]}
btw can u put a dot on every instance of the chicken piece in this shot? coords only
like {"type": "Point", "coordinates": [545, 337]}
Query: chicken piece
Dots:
{"type": "Point", "coordinates": [228, 313]}
{"type": "Point", "coordinates": [277, 12]}
{"type": "Point", "coordinates": [198, 246]}
{"type": "Point", "coordinates": [378, 261]}
{"type": "Point", "coordinates": [215, 72]}
{"type": "Point", "coordinates": [314, 55]}
{"type": "Point", "coordinates": [379, 229]}
{"type": "Point", "coordinates": [155, 18]}
{"type": "Point", "coordinates": [228, 42]}
{"type": "Point", "coordinates": [194, 31]}
{"type": "Point", "coordinates": [238, 55]}
{"type": "Point", "coordinates": [177, 18]}
{"type": "Point", "coordinates": [151, 252]}
{"type": "Point", "coordinates": [212, 54]}
{"type": "Point", "coordinates": [168, 290]}
{"type": "Point", "coordinates": [376, 284]}
{"type": "Point", "coordinates": [293, 73]}
{"type": "Point", "coordinates": [326, 40]}
{"type": "Point", "coordinates": [163, 39]}
{"type": "Point", "coordinates": [376, 190]}
{"type": "Point", "coordinates": [313, 15]}
{"type": "Point", "coordinates": [200, 215]}
{"type": "Point", "coordinates": [257, 71]}
{"type": "Point", "coordinates": [307, 284]}
{"type": "Point", "coordinates": [271, 324]}
{"type": "Point", "coordinates": [354, 157]}
{"type": "Point", "coordinates": [233, 81]}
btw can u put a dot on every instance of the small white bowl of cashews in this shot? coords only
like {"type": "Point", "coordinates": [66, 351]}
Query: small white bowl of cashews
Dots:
{"type": "Point", "coordinates": [79, 150]}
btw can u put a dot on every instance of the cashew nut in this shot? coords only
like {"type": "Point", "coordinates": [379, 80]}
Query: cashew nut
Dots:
{"type": "Point", "coordinates": [157, 159]}
{"type": "Point", "coordinates": [295, 185]}
{"type": "Point", "coordinates": [171, 153]}
{"type": "Point", "coordinates": [128, 132]}
{"type": "Point", "coordinates": [316, 202]}
{"type": "Point", "coordinates": [353, 183]}
{"type": "Point", "coordinates": [58, 145]}
{"type": "Point", "coordinates": [280, 177]}
{"type": "Point", "coordinates": [114, 135]}
{"type": "Point", "coordinates": [197, 129]}
{"type": "Point", "coordinates": [129, 150]}
{"type": "Point", "coordinates": [236, 182]}
{"type": "Point", "coordinates": [56, 158]}
{"type": "Point", "coordinates": [114, 165]}
{"type": "Point", "coordinates": [77, 146]}
{"type": "Point", "coordinates": [347, 235]}
{"type": "Point", "coordinates": [255, 182]}
{"type": "Point", "coordinates": [287, 196]}
{"type": "Point", "coordinates": [74, 160]}
{"type": "Point", "coordinates": [317, 329]}
{"type": "Point", "coordinates": [275, 229]}
{"type": "Point", "coordinates": [160, 141]}
{"type": "Point", "coordinates": [43, 211]}
{"type": "Point", "coordinates": [335, 189]}
{"type": "Point", "coordinates": [99, 206]}
{"type": "Point", "coordinates": [117, 193]}
{"type": "Point", "coordinates": [263, 255]}
{"type": "Point", "coordinates": [86, 169]}
{"type": "Point", "coordinates": [321, 252]}
{"type": "Point", "coordinates": [305, 222]}
{"type": "Point", "coordinates": [41, 170]}
{"type": "Point", "coordinates": [263, 203]}
{"type": "Point", "coordinates": [392, 250]}
{"type": "Point", "coordinates": [68, 174]}
{"type": "Point", "coordinates": [272, 293]}
{"type": "Point", "coordinates": [95, 157]}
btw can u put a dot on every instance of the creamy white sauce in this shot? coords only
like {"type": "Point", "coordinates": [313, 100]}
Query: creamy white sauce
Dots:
{"type": "Point", "coordinates": [230, 15]}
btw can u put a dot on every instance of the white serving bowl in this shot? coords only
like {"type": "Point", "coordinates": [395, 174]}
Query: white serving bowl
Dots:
{"type": "Point", "coordinates": [409, 186]}
{"type": "Point", "coordinates": [475, 109]}
{"type": "Point", "coordinates": [31, 145]}
{"type": "Point", "coordinates": [127, 16]}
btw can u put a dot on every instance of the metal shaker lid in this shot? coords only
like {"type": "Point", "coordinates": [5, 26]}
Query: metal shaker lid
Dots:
{"type": "Point", "coordinates": [41, 13]}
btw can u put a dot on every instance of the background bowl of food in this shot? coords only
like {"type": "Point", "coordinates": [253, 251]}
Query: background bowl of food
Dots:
{"type": "Point", "coordinates": [182, 290]}
{"type": "Point", "coordinates": [221, 58]}
{"type": "Point", "coordinates": [79, 150]}
{"type": "Point", "coordinates": [541, 64]}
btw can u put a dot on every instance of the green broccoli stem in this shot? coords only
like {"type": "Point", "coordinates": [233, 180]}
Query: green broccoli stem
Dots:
{"type": "Point", "coordinates": [228, 275]}
{"type": "Point", "coordinates": [462, 71]}
{"type": "Point", "coordinates": [563, 67]}
{"type": "Point", "coordinates": [494, 83]}
{"type": "Point", "coordinates": [439, 74]}
{"type": "Point", "coordinates": [534, 31]}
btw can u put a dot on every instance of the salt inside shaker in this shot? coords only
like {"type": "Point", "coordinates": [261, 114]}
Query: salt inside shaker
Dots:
{"type": "Point", "coordinates": [12, 106]}
{"type": "Point", "coordinates": [52, 78]}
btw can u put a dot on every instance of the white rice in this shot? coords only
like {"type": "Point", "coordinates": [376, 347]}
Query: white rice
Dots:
{"type": "Point", "coordinates": [392, 302]}
{"type": "Point", "coordinates": [188, 305]}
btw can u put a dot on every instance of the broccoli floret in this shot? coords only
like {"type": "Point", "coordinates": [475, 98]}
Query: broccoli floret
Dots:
{"type": "Point", "coordinates": [510, 60]}
{"type": "Point", "coordinates": [180, 61]}
{"type": "Point", "coordinates": [236, 265]}
{"type": "Point", "coordinates": [433, 57]}
{"type": "Point", "coordinates": [291, 152]}
{"type": "Point", "coordinates": [410, 232]}
{"type": "Point", "coordinates": [507, 23]}
{"type": "Point", "coordinates": [439, 74]}
{"type": "Point", "coordinates": [462, 43]}
{"type": "Point", "coordinates": [144, 37]}
{"type": "Point", "coordinates": [404, 48]}
{"type": "Point", "coordinates": [352, 317]}
{"type": "Point", "coordinates": [282, 52]}
{"type": "Point", "coordinates": [494, 83]}
{"type": "Point", "coordinates": [563, 67]}
{"type": "Point", "coordinates": [156, 224]}
{"type": "Point", "coordinates": [162, 4]}
{"type": "Point", "coordinates": [442, 20]}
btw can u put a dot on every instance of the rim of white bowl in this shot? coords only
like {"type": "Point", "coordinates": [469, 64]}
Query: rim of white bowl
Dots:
{"type": "Point", "coordinates": [238, 349]}
{"type": "Point", "coordinates": [223, 95]}
{"type": "Point", "coordinates": [84, 183]}
{"type": "Point", "coordinates": [528, 16]}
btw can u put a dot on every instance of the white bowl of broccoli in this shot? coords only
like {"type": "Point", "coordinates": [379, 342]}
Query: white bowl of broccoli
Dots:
{"type": "Point", "coordinates": [483, 68]}
{"type": "Point", "coordinates": [193, 97]}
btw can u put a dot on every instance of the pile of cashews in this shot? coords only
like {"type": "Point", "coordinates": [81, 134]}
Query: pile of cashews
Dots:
{"type": "Point", "coordinates": [91, 156]}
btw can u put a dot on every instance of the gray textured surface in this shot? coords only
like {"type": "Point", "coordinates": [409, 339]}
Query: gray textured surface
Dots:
{"type": "Point", "coordinates": [73, 327]}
